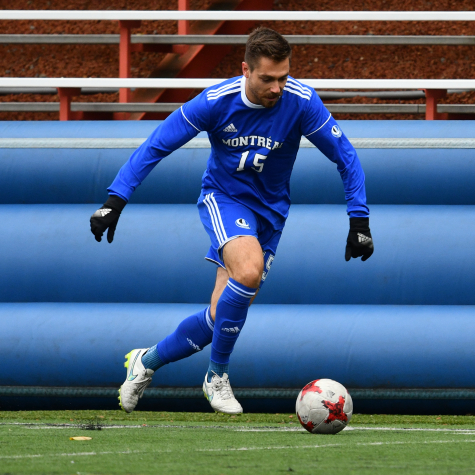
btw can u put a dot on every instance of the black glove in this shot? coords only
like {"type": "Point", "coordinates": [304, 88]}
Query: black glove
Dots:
{"type": "Point", "coordinates": [359, 241]}
{"type": "Point", "coordinates": [107, 217]}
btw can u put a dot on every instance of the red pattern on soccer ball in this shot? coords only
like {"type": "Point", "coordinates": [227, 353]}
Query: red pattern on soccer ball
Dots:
{"type": "Point", "coordinates": [309, 425]}
{"type": "Point", "coordinates": [335, 410]}
{"type": "Point", "coordinates": [310, 388]}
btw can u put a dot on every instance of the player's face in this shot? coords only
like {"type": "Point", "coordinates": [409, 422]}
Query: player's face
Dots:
{"type": "Point", "coordinates": [265, 83]}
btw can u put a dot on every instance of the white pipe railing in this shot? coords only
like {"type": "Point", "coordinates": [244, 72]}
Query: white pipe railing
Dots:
{"type": "Point", "coordinates": [131, 143]}
{"type": "Point", "coordinates": [198, 83]}
{"type": "Point", "coordinates": [237, 15]}
{"type": "Point", "coordinates": [238, 39]}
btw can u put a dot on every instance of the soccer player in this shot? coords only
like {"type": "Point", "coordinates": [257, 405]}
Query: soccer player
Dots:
{"type": "Point", "coordinates": [255, 123]}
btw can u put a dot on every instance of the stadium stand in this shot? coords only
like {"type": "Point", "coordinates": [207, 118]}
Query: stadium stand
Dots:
{"type": "Point", "coordinates": [70, 87]}
{"type": "Point", "coordinates": [129, 20]}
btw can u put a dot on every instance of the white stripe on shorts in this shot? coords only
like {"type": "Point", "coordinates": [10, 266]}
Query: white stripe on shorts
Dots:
{"type": "Point", "coordinates": [213, 220]}
{"type": "Point", "coordinates": [216, 220]}
{"type": "Point", "coordinates": [219, 218]}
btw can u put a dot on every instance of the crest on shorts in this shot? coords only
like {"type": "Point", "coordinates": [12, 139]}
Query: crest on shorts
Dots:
{"type": "Point", "coordinates": [242, 223]}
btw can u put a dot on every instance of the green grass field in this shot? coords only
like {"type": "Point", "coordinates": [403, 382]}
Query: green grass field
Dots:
{"type": "Point", "coordinates": [188, 443]}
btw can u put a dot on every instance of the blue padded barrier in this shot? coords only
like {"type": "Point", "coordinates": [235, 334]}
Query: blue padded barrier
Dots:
{"type": "Point", "coordinates": [282, 346]}
{"type": "Point", "coordinates": [120, 129]}
{"type": "Point", "coordinates": [424, 255]}
{"type": "Point", "coordinates": [413, 327]}
{"type": "Point", "coordinates": [82, 176]}
{"type": "Point", "coordinates": [33, 176]}
{"type": "Point", "coordinates": [394, 176]}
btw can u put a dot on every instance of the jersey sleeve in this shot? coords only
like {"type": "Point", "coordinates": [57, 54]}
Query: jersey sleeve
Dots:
{"type": "Point", "coordinates": [323, 131]}
{"type": "Point", "coordinates": [176, 130]}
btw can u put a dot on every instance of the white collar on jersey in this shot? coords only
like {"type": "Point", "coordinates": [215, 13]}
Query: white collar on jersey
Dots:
{"type": "Point", "coordinates": [244, 97]}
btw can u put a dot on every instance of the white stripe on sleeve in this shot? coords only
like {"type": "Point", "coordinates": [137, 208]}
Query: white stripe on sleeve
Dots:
{"type": "Point", "coordinates": [319, 127]}
{"type": "Point", "coordinates": [181, 108]}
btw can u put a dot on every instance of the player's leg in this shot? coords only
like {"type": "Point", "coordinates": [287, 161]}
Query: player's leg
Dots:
{"type": "Point", "coordinates": [236, 236]}
{"type": "Point", "coordinates": [191, 336]}
{"type": "Point", "coordinates": [196, 331]}
{"type": "Point", "coordinates": [244, 262]}
{"type": "Point", "coordinates": [222, 277]}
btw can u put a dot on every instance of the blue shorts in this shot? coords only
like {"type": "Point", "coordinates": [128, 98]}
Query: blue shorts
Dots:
{"type": "Point", "coordinates": [225, 219]}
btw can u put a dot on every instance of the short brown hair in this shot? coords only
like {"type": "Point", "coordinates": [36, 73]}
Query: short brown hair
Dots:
{"type": "Point", "coordinates": [268, 43]}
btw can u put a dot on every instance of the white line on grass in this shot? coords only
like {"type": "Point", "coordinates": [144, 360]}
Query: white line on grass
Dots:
{"type": "Point", "coordinates": [237, 449]}
{"type": "Point", "coordinates": [74, 454]}
{"type": "Point", "coordinates": [270, 429]}
{"type": "Point", "coordinates": [331, 445]}
{"type": "Point", "coordinates": [79, 428]}
{"type": "Point", "coordinates": [409, 429]}
{"type": "Point", "coordinates": [29, 425]}
{"type": "Point", "coordinates": [42, 425]}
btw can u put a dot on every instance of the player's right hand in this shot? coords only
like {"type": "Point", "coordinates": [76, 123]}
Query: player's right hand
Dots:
{"type": "Point", "coordinates": [107, 217]}
{"type": "Point", "coordinates": [359, 242]}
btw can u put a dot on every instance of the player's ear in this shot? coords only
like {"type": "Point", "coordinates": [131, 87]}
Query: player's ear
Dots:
{"type": "Point", "coordinates": [245, 70]}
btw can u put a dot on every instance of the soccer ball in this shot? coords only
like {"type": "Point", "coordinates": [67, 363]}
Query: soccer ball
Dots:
{"type": "Point", "coordinates": [324, 407]}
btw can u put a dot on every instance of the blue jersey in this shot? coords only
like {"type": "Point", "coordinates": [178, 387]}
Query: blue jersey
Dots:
{"type": "Point", "coordinates": [253, 148]}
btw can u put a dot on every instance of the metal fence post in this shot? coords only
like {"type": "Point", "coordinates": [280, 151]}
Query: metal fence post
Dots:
{"type": "Point", "coordinates": [124, 54]}
{"type": "Point", "coordinates": [65, 95]}
{"type": "Point", "coordinates": [183, 27]}
{"type": "Point", "coordinates": [432, 96]}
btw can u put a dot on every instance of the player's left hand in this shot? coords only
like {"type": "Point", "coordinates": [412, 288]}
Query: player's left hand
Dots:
{"type": "Point", "coordinates": [359, 241]}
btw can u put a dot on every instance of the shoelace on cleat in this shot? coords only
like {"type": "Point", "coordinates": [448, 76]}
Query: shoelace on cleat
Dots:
{"type": "Point", "coordinates": [224, 388]}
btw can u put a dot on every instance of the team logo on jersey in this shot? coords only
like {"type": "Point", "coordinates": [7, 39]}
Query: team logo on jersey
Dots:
{"type": "Point", "coordinates": [242, 223]}
{"type": "Point", "coordinates": [336, 132]}
{"type": "Point", "coordinates": [230, 128]}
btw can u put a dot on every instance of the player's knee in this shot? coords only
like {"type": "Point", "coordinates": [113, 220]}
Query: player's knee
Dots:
{"type": "Point", "coordinates": [249, 275]}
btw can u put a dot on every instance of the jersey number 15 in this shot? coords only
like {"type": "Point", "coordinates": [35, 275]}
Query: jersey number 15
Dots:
{"type": "Point", "coordinates": [258, 162]}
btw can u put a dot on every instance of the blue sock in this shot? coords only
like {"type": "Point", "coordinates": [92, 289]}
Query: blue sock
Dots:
{"type": "Point", "coordinates": [191, 335]}
{"type": "Point", "coordinates": [151, 359]}
{"type": "Point", "coordinates": [217, 368]}
{"type": "Point", "coordinates": [231, 313]}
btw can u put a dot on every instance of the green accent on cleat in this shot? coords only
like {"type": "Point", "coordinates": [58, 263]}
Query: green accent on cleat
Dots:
{"type": "Point", "coordinates": [120, 401]}
{"type": "Point", "coordinates": [137, 379]}
{"type": "Point", "coordinates": [127, 359]}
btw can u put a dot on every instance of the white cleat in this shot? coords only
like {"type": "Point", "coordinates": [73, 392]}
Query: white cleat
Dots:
{"type": "Point", "coordinates": [138, 378]}
{"type": "Point", "coordinates": [220, 395]}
